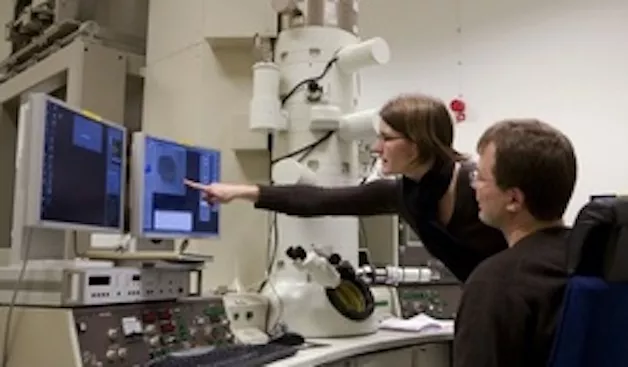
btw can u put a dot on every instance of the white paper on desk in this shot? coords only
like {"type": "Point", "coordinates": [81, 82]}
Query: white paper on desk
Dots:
{"type": "Point", "coordinates": [418, 323]}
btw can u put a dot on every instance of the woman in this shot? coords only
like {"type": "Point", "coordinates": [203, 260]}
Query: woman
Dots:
{"type": "Point", "coordinates": [433, 194]}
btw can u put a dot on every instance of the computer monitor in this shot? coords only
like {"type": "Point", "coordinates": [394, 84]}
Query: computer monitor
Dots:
{"type": "Point", "coordinates": [72, 165]}
{"type": "Point", "coordinates": [163, 206]}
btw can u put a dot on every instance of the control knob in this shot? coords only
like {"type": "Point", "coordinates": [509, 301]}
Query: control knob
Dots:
{"type": "Point", "coordinates": [154, 341]}
{"type": "Point", "coordinates": [122, 353]}
{"type": "Point", "coordinates": [111, 354]}
{"type": "Point", "coordinates": [150, 329]}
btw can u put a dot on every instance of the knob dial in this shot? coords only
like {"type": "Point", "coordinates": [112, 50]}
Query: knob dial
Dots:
{"type": "Point", "coordinates": [122, 353]}
{"type": "Point", "coordinates": [111, 355]}
{"type": "Point", "coordinates": [154, 341]}
{"type": "Point", "coordinates": [82, 326]}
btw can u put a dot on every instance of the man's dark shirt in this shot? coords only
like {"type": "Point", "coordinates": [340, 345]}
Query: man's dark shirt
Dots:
{"type": "Point", "coordinates": [511, 304]}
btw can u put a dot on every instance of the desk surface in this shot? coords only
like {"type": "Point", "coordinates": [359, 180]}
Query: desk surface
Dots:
{"type": "Point", "coordinates": [341, 348]}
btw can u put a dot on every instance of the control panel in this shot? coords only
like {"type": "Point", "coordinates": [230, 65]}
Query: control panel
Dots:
{"type": "Point", "coordinates": [125, 285]}
{"type": "Point", "coordinates": [440, 296]}
{"type": "Point", "coordinates": [86, 285]}
{"type": "Point", "coordinates": [133, 334]}
{"type": "Point", "coordinates": [436, 300]}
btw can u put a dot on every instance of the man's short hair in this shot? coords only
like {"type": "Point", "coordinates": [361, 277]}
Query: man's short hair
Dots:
{"type": "Point", "coordinates": [537, 159]}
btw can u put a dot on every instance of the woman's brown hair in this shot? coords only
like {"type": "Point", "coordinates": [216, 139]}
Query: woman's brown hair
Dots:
{"type": "Point", "coordinates": [426, 122]}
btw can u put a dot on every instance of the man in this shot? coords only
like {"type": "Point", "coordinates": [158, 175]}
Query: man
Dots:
{"type": "Point", "coordinates": [511, 302]}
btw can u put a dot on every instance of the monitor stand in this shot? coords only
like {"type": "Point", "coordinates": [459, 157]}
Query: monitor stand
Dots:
{"type": "Point", "coordinates": [143, 250]}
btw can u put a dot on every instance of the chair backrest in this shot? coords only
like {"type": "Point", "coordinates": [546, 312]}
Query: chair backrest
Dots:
{"type": "Point", "coordinates": [593, 329]}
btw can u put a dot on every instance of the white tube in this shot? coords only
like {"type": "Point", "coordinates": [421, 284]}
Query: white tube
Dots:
{"type": "Point", "coordinates": [325, 117]}
{"type": "Point", "coordinates": [406, 275]}
{"type": "Point", "coordinates": [265, 107]}
{"type": "Point", "coordinates": [359, 125]}
{"type": "Point", "coordinates": [290, 171]}
{"type": "Point", "coordinates": [374, 51]}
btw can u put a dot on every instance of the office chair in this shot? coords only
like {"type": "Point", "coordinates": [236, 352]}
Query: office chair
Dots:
{"type": "Point", "coordinates": [593, 329]}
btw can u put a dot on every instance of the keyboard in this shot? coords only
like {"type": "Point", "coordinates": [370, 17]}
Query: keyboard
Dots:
{"type": "Point", "coordinates": [238, 355]}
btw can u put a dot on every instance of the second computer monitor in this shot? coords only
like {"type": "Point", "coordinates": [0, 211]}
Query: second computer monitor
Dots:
{"type": "Point", "coordinates": [163, 206]}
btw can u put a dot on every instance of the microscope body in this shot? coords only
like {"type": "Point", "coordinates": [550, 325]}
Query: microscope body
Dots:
{"type": "Point", "coordinates": [306, 98]}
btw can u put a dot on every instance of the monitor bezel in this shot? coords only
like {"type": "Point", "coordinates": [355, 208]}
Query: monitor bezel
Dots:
{"type": "Point", "coordinates": [138, 177]}
{"type": "Point", "coordinates": [34, 140]}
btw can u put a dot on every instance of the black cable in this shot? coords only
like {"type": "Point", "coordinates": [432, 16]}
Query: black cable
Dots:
{"type": "Point", "coordinates": [368, 171]}
{"type": "Point", "coordinates": [307, 81]}
{"type": "Point", "coordinates": [273, 226]}
{"type": "Point", "coordinates": [310, 147]}
{"type": "Point", "coordinates": [306, 150]}
{"type": "Point", "coordinates": [274, 240]}
{"type": "Point", "coordinates": [16, 290]}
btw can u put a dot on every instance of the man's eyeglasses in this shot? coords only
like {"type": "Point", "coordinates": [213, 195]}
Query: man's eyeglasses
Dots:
{"type": "Point", "coordinates": [474, 176]}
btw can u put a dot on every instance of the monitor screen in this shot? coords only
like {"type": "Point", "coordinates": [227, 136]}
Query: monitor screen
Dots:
{"type": "Point", "coordinates": [82, 168]}
{"type": "Point", "coordinates": [167, 207]}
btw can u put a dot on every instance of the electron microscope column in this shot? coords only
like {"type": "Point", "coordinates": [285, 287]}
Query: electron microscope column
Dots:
{"type": "Point", "coordinates": [311, 36]}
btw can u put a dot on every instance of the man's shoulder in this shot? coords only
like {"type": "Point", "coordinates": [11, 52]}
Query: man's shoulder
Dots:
{"type": "Point", "coordinates": [497, 268]}
{"type": "Point", "coordinates": [540, 253]}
